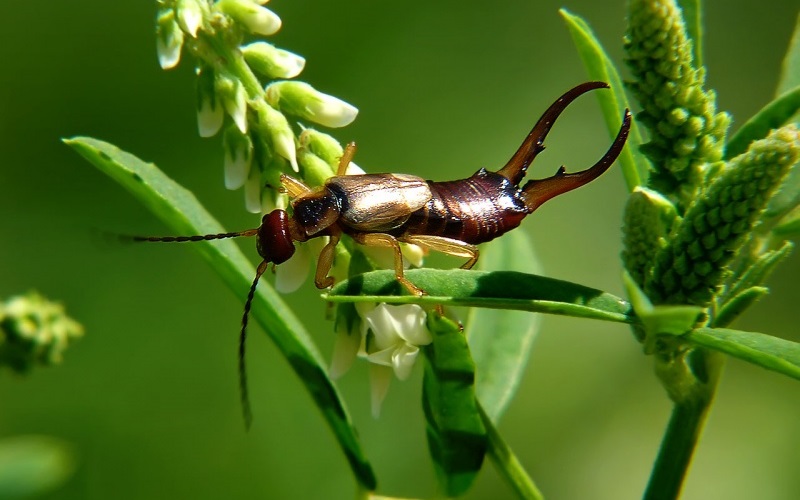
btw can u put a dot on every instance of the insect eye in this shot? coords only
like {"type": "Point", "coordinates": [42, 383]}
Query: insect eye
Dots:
{"type": "Point", "coordinates": [274, 243]}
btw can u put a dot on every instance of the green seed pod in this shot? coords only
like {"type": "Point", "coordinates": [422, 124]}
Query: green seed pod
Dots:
{"type": "Point", "coordinates": [686, 131]}
{"type": "Point", "coordinates": [34, 330]}
{"type": "Point", "coordinates": [648, 220]}
{"type": "Point", "coordinates": [718, 223]}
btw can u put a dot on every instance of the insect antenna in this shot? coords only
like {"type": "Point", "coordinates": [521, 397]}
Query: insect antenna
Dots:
{"type": "Point", "coordinates": [243, 389]}
{"type": "Point", "coordinates": [201, 237]}
{"type": "Point", "coordinates": [247, 412]}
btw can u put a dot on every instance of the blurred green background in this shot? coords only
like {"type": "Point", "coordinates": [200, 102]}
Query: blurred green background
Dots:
{"type": "Point", "coordinates": [149, 397]}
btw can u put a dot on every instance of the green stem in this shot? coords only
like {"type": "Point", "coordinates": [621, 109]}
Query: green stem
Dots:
{"type": "Point", "coordinates": [232, 61]}
{"type": "Point", "coordinates": [693, 399]}
{"type": "Point", "coordinates": [507, 463]}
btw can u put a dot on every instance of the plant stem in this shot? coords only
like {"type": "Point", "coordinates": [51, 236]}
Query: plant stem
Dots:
{"type": "Point", "coordinates": [684, 428]}
{"type": "Point", "coordinates": [506, 462]}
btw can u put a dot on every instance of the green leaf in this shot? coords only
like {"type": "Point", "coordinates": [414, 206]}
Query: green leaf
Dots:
{"type": "Point", "coordinates": [497, 290]}
{"type": "Point", "coordinates": [33, 465]}
{"type": "Point", "coordinates": [501, 341]}
{"type": "Point", "coordinates": [790, 71]}
{"type": "Point", "coordinates": [774, 115]}
{"type": "Point", "coordinates": [456, 435]}
{"type": "Point", "coordinates": [766, 351]}
{"type": "Point", "coordinates": [635, 167]}
{"type": "Point", "coordinates": [693, 18]}
{"type": "Point", "coordinates": [738, 304]}
{"type": "Point", "coordinates": [790, 228]}
{"type": "Point", "coordinates": [758, 271]}
{"type": "Point", "coordinates": [182, 213]}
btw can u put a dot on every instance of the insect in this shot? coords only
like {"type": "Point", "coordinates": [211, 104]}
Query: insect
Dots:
{"type": "Point", "coordinates": [384, 210]}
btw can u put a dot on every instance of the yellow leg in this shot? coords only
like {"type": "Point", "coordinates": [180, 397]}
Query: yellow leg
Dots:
{"type": "Point", "coordinates": [293, 186]}
{"type": "Point", "coordinates": [447, 246]}
{"type": "Point", "coordinates": [347, 157]}
{"type": "Point", "coordinates": [389, 241]}
{"type": "Point", "coordinates": [325, 262]}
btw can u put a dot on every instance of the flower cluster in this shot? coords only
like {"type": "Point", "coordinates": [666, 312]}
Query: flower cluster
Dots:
{"type": "Point", "coordinates": [259, 143]}
{"type": "Point", "coordinates": [33, 331]}
{"type": "Point", "coordinates": [387, 336]}
{"type": "Point", "coordinates": [718, 223]}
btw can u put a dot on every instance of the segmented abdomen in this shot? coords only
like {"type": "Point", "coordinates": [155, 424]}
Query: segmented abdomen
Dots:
{"type": "Point", "coordinates": [472, 210]}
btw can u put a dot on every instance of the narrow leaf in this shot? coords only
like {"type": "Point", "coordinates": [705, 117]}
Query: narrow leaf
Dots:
{"type": "Point", "coordinates": [766, 351]}
{"type": "Point", "coordinates": [759, 270]}
{"type": "Point", "coordinates": [635, 167]}
{"type": "Point", "coordinates": [456, 435]}
{"type": "Point", "coordinates": [181, 212]}
{"type": "Point", "coordinates": [774, 115]}
{"type": "Point", "coordinates": [738, 304]}
{"type": "Point", "coordinates": [500, 340]}
{"type": "Point", "coordinates": [790, 70]}
{"type": "Point", "coordinates": [497, 290]}
{"type": "Point", "coordinates": [693, 18]}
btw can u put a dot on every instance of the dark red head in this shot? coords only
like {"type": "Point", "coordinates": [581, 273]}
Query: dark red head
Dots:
{"type": "Point", "coordinates": [274, 239]}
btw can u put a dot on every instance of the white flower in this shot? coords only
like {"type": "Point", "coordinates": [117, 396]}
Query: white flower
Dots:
{"type": "Point", "coordinates": [210, 114]}
{"type": "Point", "coordinates": [169, 39]}
{"type": "Point", "coordinates": [234, 98]}
{"type": "Point", "coordinates": [397, 332]}
{"type": "Point", "coordinates": [390, 339]}
{"type": "Point", "coordinates": [290, 275]}
{"type": "Point", "coordinates": [238, 156]}
{"type": "Point", "coordinates": [252, 191]}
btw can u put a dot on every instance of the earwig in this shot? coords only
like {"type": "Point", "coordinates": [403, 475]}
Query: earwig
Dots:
{"type": "Point", "coordinates": [385, 210]}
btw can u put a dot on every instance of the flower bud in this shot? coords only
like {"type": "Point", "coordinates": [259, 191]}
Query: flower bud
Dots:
{"type": "Point", "coordinates": [271, 61]}
{"type": "Point", "coordinates": [257, 19]}
{"type": "Point", "coordinates": [238, 156]}
{"type": "Point", "coordinates": [281, 134]}
{"type": "Point", "coordinates": [322, 145]}
{"type": "Point", "coordinates": [315, 170]}
{"type": "Point", "coordinates": [302, 100]}
{"type": "Point", "coordinates": [210, 114]}
{"type": "Point", "coordinates": [169, 39]}
{"type": "Point", "coordinates": [648, 220]}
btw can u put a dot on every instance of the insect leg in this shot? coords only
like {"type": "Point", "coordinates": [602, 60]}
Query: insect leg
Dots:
{"type": "Point", "coordinates": [347, 157]}
{"type": "Point", "coordinates": [325, 261]}
{"type": "Point", "coordinates": [447, 246]}
{"type": "Point", "coordinates": [294, 187]}
{"type": "Point", "coordinates": [539, 191]}
{"type": "Point", "coordinates": [516, 167]}
{"type": "Point", "coordinates": [389, 241]}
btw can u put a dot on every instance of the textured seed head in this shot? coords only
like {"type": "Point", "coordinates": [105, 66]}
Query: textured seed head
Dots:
{"type": "Point", "coordinates": [647, 222]}
{"type": "Point", "coordinates": [686, 132]}
{"type": "Point", "coordinates": [717, 224]}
